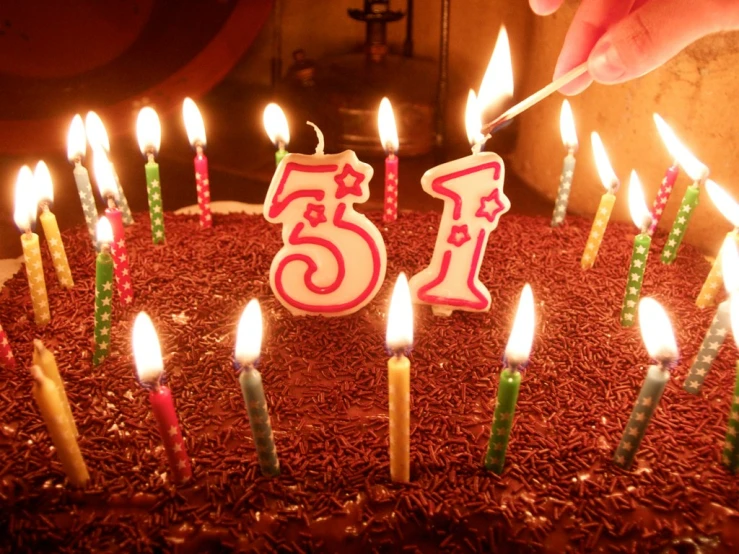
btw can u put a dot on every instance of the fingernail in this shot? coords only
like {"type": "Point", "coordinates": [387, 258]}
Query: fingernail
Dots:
{"type": "Point", "coordinates": [605, 64]}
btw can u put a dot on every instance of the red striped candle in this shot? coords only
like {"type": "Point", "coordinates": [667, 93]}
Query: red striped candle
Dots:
{"type": "Point", "coordinates": [663, 195]}
{"type": "Point", "coordinates": [196, 135]}
{"type": "Point", "coordinates": [6, 354]}
{"type": "Point", "coordinates": [120, 256]}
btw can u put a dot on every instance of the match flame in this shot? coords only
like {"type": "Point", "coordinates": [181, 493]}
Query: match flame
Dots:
{"type": "Point", "coordinates": [730, 264]}
{"type": "Point", "coordinates": [723, 202]}
{"type": "Point", "coordinates": [387, 127]}
{"type": "Point", "coordinates": [567, 126]}
{"type": "Point", "coordinates": [692, 166]}
{"type": "Point", "coordinates": [97, 136]}
{"type": "Point", "coordinates": [249, 334]}
{"type": "Point", "coordinates": [275, 123]}
{"type": "Point", "coordinates": [605, 169]}
{"type": "Point", "coordinates": [638, 209]}
{"type": "Point", "coordinates": [42, 184]}
{"type": "Point", "coordinates": [193, 123]}
{"type": "Point", "coordinates": [497, 83]}
{"type": "Point", "coordinates": [148, 131]}
{"type": "Point", "coordinates": [734, 314]}
{"type": "Point", "coordinates": [104, 231]}
{"type": "Point", "coordinates": [24, 213]}
{"type": "Point", "coordinates": [656, 331]}
{"type": "Point", "coordinates": [76, 139]}
{"type": "Point", "coordinates": [103, 171]}
{"type": "Point", "coordinates": [400, 316]}
{"type": "Point", "coordinates": [473, 120]}
{"type": "Point", "coordinates": [522, 333]}
{"type": "Point", "coordinates": [147, 354]}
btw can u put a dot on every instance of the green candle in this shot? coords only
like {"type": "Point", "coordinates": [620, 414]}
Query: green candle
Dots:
{"type": "Point", "coordinates": [281, 153]}
{"type": "Point", "coordinates": [103, 303]}
{"type": "Point", "coordinates": [687, 207]}
{"type": "Point", "coordinates": [154, 190]}
{"type": "Point", "coordinates": [635, 277]}
{"type": "Point", "coordinates": [731, 448]}
{"type": "Point", "coordinates": [505, 408]}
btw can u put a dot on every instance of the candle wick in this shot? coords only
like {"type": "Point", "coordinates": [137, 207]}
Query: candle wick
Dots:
{"type": "Point", "coordinates": [111, 202]}
{"type": "Point", "coordinates": [319, 134]}
{"type": "Point", "coordinates": [150, 156]}
{"type": "Point", "coordinates": [281, 145]}
{"type": "Point", "coordinates": [571, 151]}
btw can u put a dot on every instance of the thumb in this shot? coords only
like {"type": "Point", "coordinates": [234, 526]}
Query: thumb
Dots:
{"type": "Point", "coordinates": [654, 33]}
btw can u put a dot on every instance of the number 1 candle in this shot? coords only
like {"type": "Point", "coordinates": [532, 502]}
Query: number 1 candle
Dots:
{"type": "Point", "coordinates": [516, 356]}
{"type": "Point", "coordinates": [668, 182]}
{"type": "Point", "coordinates": [399, 340]}
{"type": "Point", "coordinates": [275, 123]}
{"type": "Point", "coordinates": [659, 341]}
{"type": "Point", "coordinates": [389, 141]}
{"type": "Point", "coordinates": [24, 217]}
{"type": "Point", "coordinates": [246, 354]}
{"type": "Point", "coordinates": [147, 356]}
{"type": "Point", "coordinates": [730, 454]}
{"type": "Point", "coordinates": [149, 133]}
{"type": "Point", "coordinates": [569, 138]}
{"type": "Point", "coordinates": [76, 147]}
{"type": "Point", "coordinates": [196, 135]}
{"type": "Point", "coordinates": [603, 215]}
{"type": "Point", "coordinates": [103, 291]}
{"type": "Point", "coordinates": [44, 197]}
{"type": "Point", "coordinates": [6, 352]}
{"type": "Point", "coordinates": [642, 242]}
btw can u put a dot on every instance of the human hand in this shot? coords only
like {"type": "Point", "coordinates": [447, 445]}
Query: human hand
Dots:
{"type": "Point", "coordinates": [624, 39]}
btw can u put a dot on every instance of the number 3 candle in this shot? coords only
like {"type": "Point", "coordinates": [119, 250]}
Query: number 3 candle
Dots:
{"type": "Point", "coordinates": [472, 190]}
{"type": "Point", "coordinates": [333, 260]}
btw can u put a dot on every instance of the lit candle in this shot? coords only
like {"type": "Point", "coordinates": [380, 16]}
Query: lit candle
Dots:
{"type": "Point", "coordinates": [6, 352]}
{"type": "Point", "coordinates": [389, 141]}
{"type": "Point", "coordinates": [569, 139]}
{"type": "Point", "coordinates": [698, 173]}
{"type": "Point", "coordinates": [516, 357]}
{"type": "Point", "coordinates": [246, 355]}
{"type": "Point", "coordinates": [730, 455]}
{"type": "Point", "coordinates": [97, 136]}
{"type": "Point", "coordinates": [44, 197]}
{"type": "Point", "coordinates": [333, 259]}
{"type": "Point", "coordinates": [472, 191]}
{"type": "Point", "coordinates": [43, 358]}
{"type": "Point", "coordinates": [108, 190]}
{"type": "Point", "coordinates": [25, 217]}
{"type": "Point", "coordinates": [603, 215]}
{"type": "Point", "coordinates": [103, 291]}
{"type": "Point", "coordinates": [399, 340]}
{"type": "Point", "coordinates": [149, 133]}
{"type": "Point", "coordinates": [196, 135]}
{"type": "Point", "coordinates": [59, 427]}
{"type": "Point", "coordinates": [716, 333]}
{"type": "Point", "coordinates": [76, 147]}
{"type": "Point", "coordinates": [275, 123]}
{"type": "Point", "coordinates": [642, 219]}
{"type": "Point", "coordinates": [659, 341]}
{"type": "Point", "coordinates": [730, 210]}
{"type": "Point", "coordinates": [668, 182]}
{"type": "Point", "coordinates": [147, 355]}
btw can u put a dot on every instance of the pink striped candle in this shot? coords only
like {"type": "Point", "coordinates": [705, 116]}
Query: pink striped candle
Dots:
{"type": "Point", "coordinates": [663, 195]}
{"type": "Point", "coordinates": [389, 140]}
{"type": "Point", "coordinates": [196, 135]}
{"type": "Point", "coordinates": [6, 353]}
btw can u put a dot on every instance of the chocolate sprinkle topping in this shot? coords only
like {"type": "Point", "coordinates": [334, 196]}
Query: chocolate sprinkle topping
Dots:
{"type": "Point", "coordinates": [326, 385]}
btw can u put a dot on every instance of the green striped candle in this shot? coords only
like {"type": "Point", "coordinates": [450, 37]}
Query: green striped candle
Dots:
{"type": "Point", "coordinates": [731, 447]}
{"type": "Point", "coordinates": [280, 153]}
{"type": "Point", "coordinates": [635, 277]}
{"type": "Point", "coordinates": [103, 291]}
{"type": "Point", "coordinates": [709, 349]}
{"type": "Point", "coordinates": [505, 409]}
{"type": "Point", "coordinates": [154, 190]}
{"type": "Point", "coordinates": [687, 207]}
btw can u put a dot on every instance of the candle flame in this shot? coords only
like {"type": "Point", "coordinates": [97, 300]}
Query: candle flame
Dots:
{"type": "Point", "coordinates": [103, 171]}
{"type": "Point", "coordinates": [497, 83]}
{"type": "Point", "coordinates": [148, 131]}
{"type": "Point", "coordinates": [522, 333]}
{"type": "Point", "coordinates": [473, 120]}
{"type": "Point", "coordinates": [24, 213]}
{"type": "Point", "coordinates": [147, 354]}
{"type": "Point", "coordinates": [275, 123]}
{"type": "Point", "coordinates": [193, 123]}
{"type": "Point", "coordinates": [723, 202]}
{"type": "Point", "coordinates": [692, 166]}
{"type": "Point", "coordinates": [730, 264]}
{"type": "Point", "coordinates": [656, 331]}
{"type": "Point", "coordinates": [400, 316]}
{"type": "Point", "coordinates": [76, 139]}
{"type": "Point", "coordinates": [104, 231]}
{"type": "Point", "coordinates": [638, 209]}
{"type": "Point", "coordinates": [605, 169]}
{"type": "Point", "coordinates": [249, 334]}
{"type": "Point", "coordinates": [387, 127]}
{"type": "Point", "coordinates": [43, 187]}
{"type": "Point", "coordinates": [734, 315]}
{"type": "Point", "coordinates": [567, 126]}
{"type": "Point", "coordinates": [97, 136]}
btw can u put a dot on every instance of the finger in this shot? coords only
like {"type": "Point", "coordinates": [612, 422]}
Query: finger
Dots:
{"type": "Point", "coordinates": [591, 21]}
{"type": "Point", "coordinates": [653, 34]}
{"type": "Point", "coordinates": [545, 7]}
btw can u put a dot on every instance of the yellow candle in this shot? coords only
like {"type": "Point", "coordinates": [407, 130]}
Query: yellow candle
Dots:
{"type": "Point", "coordinates": [399, 339]}
{"type": "Point", "coordinates": [52, 411]}
{"type": "Point", "coordinates": [35, 274]}
{"type": "Point", "coordinates": [715, 279]}
{"type": "Point", "coordinates": [56, 247]}
{"type": "Point", "coordinates": [43, 358]}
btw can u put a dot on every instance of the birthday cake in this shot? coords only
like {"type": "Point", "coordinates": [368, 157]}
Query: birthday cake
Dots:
{"type": "Point", "coordinates": [326, 387]}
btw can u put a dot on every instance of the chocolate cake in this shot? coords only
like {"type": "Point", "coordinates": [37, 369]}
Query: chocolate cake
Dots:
{"type": "Point", "coordinates": [326, 386]}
